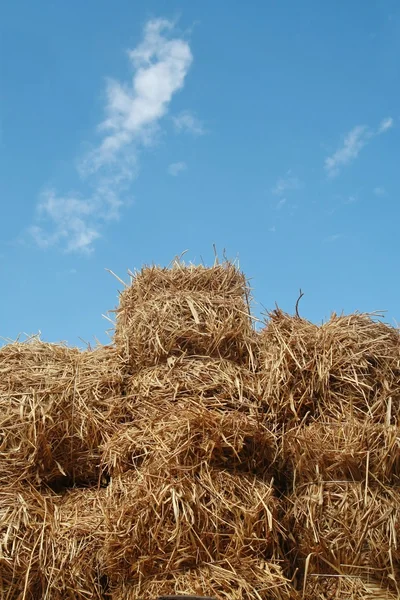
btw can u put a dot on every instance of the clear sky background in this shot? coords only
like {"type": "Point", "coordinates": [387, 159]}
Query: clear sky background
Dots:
{"type": "Point", "coordinates": [132, 131]}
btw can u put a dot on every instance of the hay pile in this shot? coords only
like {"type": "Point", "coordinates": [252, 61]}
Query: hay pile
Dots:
{"type": "Point", "coordinates": [196, 456]}
{"type": "Point", "coordinates": [55, 404]}
{"type": "Point", "coordinates": [334, 394]}
{"type": "Point", "coordinates": [191, 311]}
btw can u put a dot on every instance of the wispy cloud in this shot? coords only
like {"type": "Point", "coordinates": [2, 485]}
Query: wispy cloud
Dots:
{"type": "Point", "coordinates": [175, 168]}
{"type": "Point", "coordinates": [132, 115]}
{"type": "Point", "coordinates": [333, 238]}
{"type": "Point", "coordinates": [189, 123]}
{"type": "Point", "coordinates": [280, 204]}
{"type": "Point", "coordinates": [286, 183]}
{"type": "Point", "coordinates": [352, 145]}
{"type": "Point", "coordinates": [385, 125]}
{"type": "Point", "coordinates": [379, 191]}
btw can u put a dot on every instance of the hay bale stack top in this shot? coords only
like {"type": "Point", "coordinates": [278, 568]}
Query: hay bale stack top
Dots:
{"type": "Point", "coordinates": [185, 310]}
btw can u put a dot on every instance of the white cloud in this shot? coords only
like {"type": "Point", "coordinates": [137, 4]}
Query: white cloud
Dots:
{"type": "Point", "coordinates": [175, 168]}
{"type": "Point", "coordinates": [333, 238]}
{"type": "Point", "coordinates": [379, 191]}
{"type": "Point", "coordinates": [133, 112]}
{"type": "Point", "coordinates": [69, 220]}
{"type": "Point", "coordinates": [353, 143]}
{"type": "Point", "coordinates": [386, 124]}
{"type": "Point", "coordinates": [187, 122]}
{"type": "Point", "coordinates": [160, 66]}
{"type": "Point", "coordinates": [286, 183]}
{"type": "Point", "coordinates": [280, 203]}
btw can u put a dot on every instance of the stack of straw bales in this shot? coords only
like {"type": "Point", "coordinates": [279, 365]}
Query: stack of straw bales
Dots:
{"type": "Point", "coordinates": [198, 456]}
{"type": "Point", "coordinates": [334, 394]}
{"type": "Point", "coordinates": [193, 506]}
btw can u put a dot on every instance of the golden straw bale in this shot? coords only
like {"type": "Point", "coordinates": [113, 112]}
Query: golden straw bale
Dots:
{"type": "Point", "coordinates": [213, 383]}
{"type": "Point", "coordinates": [288, 358]}
{"type": "Point", "coordinates": [190, 323]}
{"type": "Point", "coordinates": [347, 528]}
{"type": "Point", "coordinates": [343, 450]}
{"type": "Point", "coordinates": [74, 540]}
{"type": "Point", "coordinates": [345, 588]}
{"type": "Point", "coordinates": [54, 407]}
{"type": "Point", "coordinates": [25, 517]}
{"type": "Point", "coordinates": [359, 368]}
{"type": "Point", "coordinates": [159, 521]}
{"type": "Point", "coordinates": [223, 279]}
{"type": "Point", "coordinates": [349, 366]}
{"type": "Point", "coordinates": [186, 435]}
{"type": "Point", "coordinates": [248, 580]}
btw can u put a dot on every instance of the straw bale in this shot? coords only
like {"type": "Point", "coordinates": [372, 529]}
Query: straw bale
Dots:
{"type": "Point", "coordinates": [334, 450]}
{"type": "Point", "coordinates": [159, 521]}
{"type": "Point", "coordinates": [247, 580]}
{"type": "Point", "coordinates": [25, 516]}
{"type": "Point", "coordinates": [349, 366]}
{"type": "Point", "coordinates": [222, 279]}
{"type": "Point", "coordinates": [347, 528]}
{"type": "Point", "coordinates": [54, 408]}
{"type": "Point", "coordinates": [213, 383]}
{"type": "Point", "coordinates": [75, 537]}
{"type": "Point", "coordinates": [189, 323]}
{"type": "Point", "coordinates": [359, 368]}
{"type": "Point", "coordinates": [287, 357]}
{"type": "Point", "coordinates": [345, 588]}
{"type": "Point", "coordinates": [186, 435]}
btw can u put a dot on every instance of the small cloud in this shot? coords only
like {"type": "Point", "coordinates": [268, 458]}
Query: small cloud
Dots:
{"type": "Point", "coordinates": [73, 271]}
{"type": "Point", "coordinates": [351, 200]}
{"type": "Point", "coordinates": [280, 203]}
{"type": "Point", "coordinates": [189, 123]}
{"type": "Point", "coordinates": [272, 229]}
{"type": "Point", "coordinates": [133, 111]}
{"type": "Point", "coordinates": [353, 143]}
{"type": "Point", "coordinates": [385, 125]}
{"type": "Point", "coordinates": [69, 219]}
{"type": "Point", "coordinates": [175, 168]}
{"type": "Point", "coordinates": [379, 191]}
{"type": "Point", "coordinates": [333, 238]}
{"type": "Point", "coordinates": [286, 183]}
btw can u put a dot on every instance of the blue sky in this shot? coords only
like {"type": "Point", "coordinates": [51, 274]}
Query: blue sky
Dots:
{"type": "Point", "coordinates": [135, 131]}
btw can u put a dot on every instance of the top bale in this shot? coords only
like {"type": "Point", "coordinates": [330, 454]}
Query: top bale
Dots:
{"type": "Point", "coordinates": [223, 279]}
